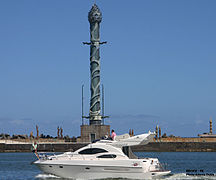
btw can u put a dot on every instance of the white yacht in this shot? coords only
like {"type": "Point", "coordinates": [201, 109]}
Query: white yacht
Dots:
{"type": "Point", "coordinates": [104, 159]}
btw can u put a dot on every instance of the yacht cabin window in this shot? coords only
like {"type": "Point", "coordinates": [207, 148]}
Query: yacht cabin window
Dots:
{"type": "Point", "coordinates": [92, 151]}
{"type": "Point", "coordinates": [107, 156]}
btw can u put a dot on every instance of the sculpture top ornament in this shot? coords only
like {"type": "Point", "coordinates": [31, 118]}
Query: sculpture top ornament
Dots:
{"type": "Point", "coordinates": [94, 14]}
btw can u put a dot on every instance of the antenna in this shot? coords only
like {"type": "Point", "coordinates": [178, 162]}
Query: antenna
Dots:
{"type": "Point", "coordinates": [82, 105]}
{"type": "Point", "coordinates": [103, 116]}
{"type": "Point", "coordinates": [103, 104]}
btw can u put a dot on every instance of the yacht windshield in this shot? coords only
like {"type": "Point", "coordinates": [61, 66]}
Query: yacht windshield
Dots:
{"type": "Point", "coordinates": [92, 151]}
{"type": "Point", "coordinates": [107, 156]}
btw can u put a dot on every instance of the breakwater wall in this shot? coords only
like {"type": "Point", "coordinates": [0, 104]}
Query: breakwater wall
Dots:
{"type": "Point", "coordinates": [176, 147]}
{"type": "Point", "coordinates": [151, 147]}
{"type": "Point", "coordinates": [42, 147]}
{"type": "Point", "coordinates": [185, 139]}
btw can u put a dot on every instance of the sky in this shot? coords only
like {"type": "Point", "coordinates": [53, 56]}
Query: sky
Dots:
{"type": "Point", "coordinates": [158, 67]}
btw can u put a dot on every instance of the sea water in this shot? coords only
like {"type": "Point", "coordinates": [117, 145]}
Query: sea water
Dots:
{"type": "Point", "coordinates": [184, 165]}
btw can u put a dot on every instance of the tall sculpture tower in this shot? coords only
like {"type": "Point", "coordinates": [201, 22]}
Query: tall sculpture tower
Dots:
{"type": "Point", "coordinates": [95, 129]}
{"type": "Point", "coordinates": [95, 18]}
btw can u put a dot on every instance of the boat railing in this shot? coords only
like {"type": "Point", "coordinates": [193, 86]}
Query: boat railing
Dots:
{"type": "Point", "coordinates": [51, 156]}
{"type": "Point", "coordinates": [75, 156]}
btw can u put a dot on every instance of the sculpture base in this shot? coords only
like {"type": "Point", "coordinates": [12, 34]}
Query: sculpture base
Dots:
{"type": "Point", "coordinates": [90, 133]}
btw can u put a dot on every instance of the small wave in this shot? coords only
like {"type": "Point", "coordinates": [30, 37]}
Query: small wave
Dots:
{"type": "Point", "coordinates": [178, 176]}
{"type": "Point", "coordinates": [46, 176]}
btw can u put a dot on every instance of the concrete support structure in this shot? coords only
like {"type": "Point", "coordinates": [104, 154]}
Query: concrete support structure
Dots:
{"type": "Point", "coordinates": [91, 132]}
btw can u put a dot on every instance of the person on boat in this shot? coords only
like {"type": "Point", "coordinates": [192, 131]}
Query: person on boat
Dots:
{"type": "Point", "coordinates": [34, 149]}
{"type": "Point", "coordinates": [113, 135]}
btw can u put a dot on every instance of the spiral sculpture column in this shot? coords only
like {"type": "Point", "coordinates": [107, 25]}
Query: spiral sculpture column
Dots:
{"type": "Point", "coordinates": [96, 128]}
{"type": "Point", "coordinates": [95, 18]}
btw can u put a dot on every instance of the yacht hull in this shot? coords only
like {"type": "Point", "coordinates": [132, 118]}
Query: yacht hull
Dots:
{"type": "Point", "coordinates": [89, 171]}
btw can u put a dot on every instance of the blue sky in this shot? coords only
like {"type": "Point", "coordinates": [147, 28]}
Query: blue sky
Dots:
{"type": "Point", "coordinates": [158, 67]}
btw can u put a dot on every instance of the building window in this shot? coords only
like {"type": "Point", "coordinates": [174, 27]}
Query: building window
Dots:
{"type": "Point", "coordinates": [92, 136]}
{"type": "Point", "coordinates": [92, 151]}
